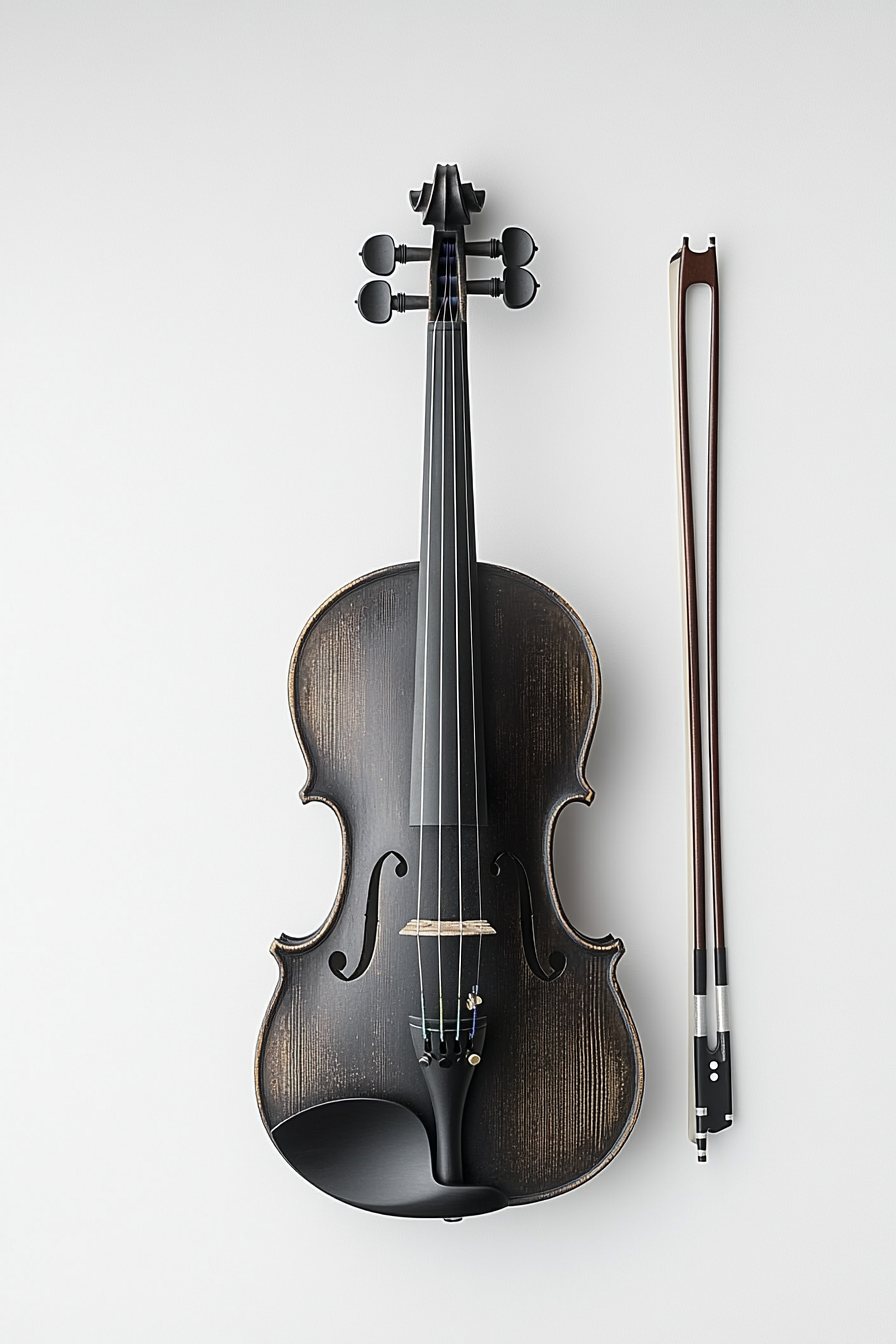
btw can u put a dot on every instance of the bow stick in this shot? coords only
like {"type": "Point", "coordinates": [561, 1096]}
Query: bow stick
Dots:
{"type": "Point", "coordinates": [712, 1068]}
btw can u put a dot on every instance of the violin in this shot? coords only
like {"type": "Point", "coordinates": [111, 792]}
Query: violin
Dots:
{"type": "Point", "coordinates": [447, 1044]}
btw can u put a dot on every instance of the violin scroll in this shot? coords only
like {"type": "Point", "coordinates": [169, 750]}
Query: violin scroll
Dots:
{"type": "Point", "coordinates": [446, 203]}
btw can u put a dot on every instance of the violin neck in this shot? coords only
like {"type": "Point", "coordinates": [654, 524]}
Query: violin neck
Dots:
{"type": "Point", "coordinates": [447, 775]}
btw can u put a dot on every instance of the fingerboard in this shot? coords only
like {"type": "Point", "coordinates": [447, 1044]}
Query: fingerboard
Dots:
{"type": "Point", "coordinates": [448, 774]}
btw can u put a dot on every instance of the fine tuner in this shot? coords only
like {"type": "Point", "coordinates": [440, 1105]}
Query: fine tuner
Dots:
{"type": "Point", "coordinates": [516, 247]}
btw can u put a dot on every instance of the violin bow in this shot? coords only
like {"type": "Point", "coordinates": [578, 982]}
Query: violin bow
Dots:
{"type": "Point", "coordinates": [712, 1068]}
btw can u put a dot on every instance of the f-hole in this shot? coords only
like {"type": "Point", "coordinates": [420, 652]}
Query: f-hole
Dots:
{"type": "Point", "coordinates": [556, 960]}
{"type": "Point", "coordinates": [338, 960]}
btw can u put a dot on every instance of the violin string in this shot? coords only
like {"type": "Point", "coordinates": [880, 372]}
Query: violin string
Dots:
{"type": "Point", "coordinates": [444, 304]}
{"type": "Point", "coordinates": [471, 578]}
{"type": "Point", "coordinates": [425, 554]}
{"type": "Point", "coordinates": [455, 329]}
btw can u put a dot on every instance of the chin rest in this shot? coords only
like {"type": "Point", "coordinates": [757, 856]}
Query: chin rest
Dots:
{"type": "Point", "coordinates": [376, 1155]}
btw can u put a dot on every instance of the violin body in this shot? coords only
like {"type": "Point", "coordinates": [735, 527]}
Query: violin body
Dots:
{"type": "Point", "coordinates": [447, 1043]}
{"type": "Point", "coordinates": [564, 1078]}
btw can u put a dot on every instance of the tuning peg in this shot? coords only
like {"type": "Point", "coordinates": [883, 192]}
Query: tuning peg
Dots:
{"type": "Point", "coordinates": [517, 287]}
{"type": "Point", "coordinates": [516, 246]}
{"type": "Point", "coordinates": [377, 303]}
{"type": "Point", "coordinates": [520, 286]}
{"type": "Point", "coordinates": [380, 253]}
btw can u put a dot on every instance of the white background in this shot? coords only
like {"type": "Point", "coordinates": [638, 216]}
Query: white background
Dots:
{"type": "Point", "coordinates": [202, 440]}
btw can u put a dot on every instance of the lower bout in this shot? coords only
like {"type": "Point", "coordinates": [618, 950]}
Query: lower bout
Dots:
{"type": "Point", "coordinates": [553, 1100]}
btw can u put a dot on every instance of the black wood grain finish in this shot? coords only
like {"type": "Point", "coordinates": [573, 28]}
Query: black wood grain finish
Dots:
{"type": "Point", "coordinates": [560, 1082]}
